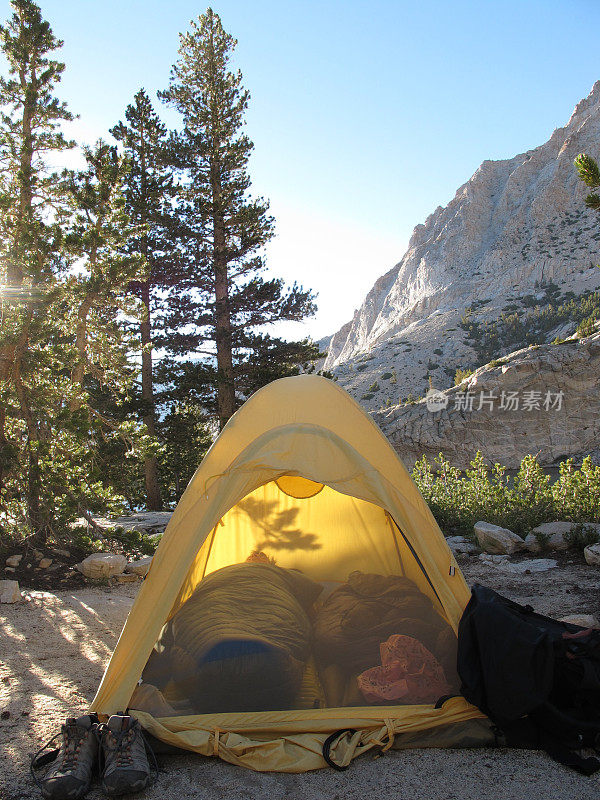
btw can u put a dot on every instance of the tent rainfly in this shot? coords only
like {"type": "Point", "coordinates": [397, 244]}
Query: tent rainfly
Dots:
{"type": "Point", "coordinates": [300, 554]}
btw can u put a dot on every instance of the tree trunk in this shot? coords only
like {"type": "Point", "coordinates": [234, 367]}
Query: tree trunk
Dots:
{"type": "Point", "coordinates": [223, 337]}
{"type": "Point", "coordinates": [37, 512]}
{"type": "Point", "coordinates": [153, 497]}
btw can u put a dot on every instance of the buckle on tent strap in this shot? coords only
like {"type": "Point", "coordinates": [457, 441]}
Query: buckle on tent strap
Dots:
{"type": "Point", "coordinates": [452, 570]}
{"type": "Point", "coordinates": [216, 734]}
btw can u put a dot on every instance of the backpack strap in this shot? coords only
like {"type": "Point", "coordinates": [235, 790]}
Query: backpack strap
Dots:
{"type": "Point", "coordinates": [569, 758]}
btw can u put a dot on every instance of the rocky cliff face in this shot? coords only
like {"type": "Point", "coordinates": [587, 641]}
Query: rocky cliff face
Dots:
{"type": "Point", "coordinates": [515, 225]}
{"type": "Point", "coordinates": [542, 400]}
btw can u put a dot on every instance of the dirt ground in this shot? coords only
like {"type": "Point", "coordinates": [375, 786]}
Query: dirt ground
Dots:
{"type": "Point", "coordinates": [54, 647]}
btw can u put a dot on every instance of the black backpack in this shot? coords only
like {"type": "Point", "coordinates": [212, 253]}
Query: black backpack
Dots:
{"type": "Point", "coordinates": [537, 679]}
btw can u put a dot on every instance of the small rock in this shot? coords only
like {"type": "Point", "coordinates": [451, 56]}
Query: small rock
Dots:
{"type": "Point", "coordinates": [519, 567]}
{"type": "Point", "coordinates": [37, 555]}
{"type": "Point", "coordinates": [592, 555]}
{"type": "Point", "coordinates": [532, 544]}
{"type": "Point", "coordinates": [13, 561]}
{"type": "Point", "coordinates": [127, 577]}
{"type": "Point", "coordinates": [9, 592]}
{"type": "Point", "coordinates": [583, 620]}
{"type": "Point", "coordinates": [496, 540]}
{"type": "Point", "coordinates": [58, 552]}
{"type": "Point", "coordinates": [44, 563]}
{"type": "Point", "coordinates": [458, 544]}
{"type": "Point", "coordinates": [102, 565]}
{"type": "Point", "coordinates": [9, 569]}
{"type": "Point", "coordinates": [487, 558]}
{"type": "Point", "coordinates": [139, 567]}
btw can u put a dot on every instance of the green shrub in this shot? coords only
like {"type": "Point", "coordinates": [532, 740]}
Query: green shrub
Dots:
{"type": "Point", "coordinates": [374, 387]}
{"type": "Point", "coordinates": [386, 376]}
{"type": "Point", "coordinates": [117, 540]}
{"type": "Point", "coordinates": [458, 500]}
{"type": "Point", "coordinates": [461, 374]}
{"type": "Point", "coordinates": [511, 331]}
{"type": "Point", "coordinates": [577, 492]}
{"type": "Point", "coordinates": [581, 536]}
{"type": "Point", "coordinates": [587, 326]}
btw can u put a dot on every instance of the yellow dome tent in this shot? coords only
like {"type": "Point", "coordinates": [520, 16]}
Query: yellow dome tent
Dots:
{"type": "Point", "coordinates": [302, 475]}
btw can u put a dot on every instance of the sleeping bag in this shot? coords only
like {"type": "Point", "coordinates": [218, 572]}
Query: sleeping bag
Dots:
{"type": "Point", "coordinates": [239, 643]}
{"type": "Point", "coordinates": [364, 612]}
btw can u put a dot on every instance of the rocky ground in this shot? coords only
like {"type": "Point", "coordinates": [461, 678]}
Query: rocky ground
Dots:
{"type": "Point", "coordinates": [54, 648]}
{"type": "Point", "coordinates": [55, 566]}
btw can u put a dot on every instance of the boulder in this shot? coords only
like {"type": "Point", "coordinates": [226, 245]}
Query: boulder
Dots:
{"type": "Point", "coordinates": [553, 528]}
{"type": "Point", "coordinates": [139, 567]}
{"type": "Point", "coordinates": [150, 522]}
{"type": "Point", "coordinates": [554, 534]}
{"type": "Point", "coordinates": [496, 540]}
{"type": "Point", "coordinates": [458, 544]}
{"type": "Point", "coordinates": [592, 555]}
{"type": "Point", "coordinates": [13, 561]}
{"type": "Point", "coordinates": [583, 620]}
{"type": "Point", "coordinates": [532, 544]}
{"type": "Point", "coordinates": [9, 592]}
{"type": "Point", "coordinates": [557, 542]}
{"type": "Point", "coordinates": [102, 565]}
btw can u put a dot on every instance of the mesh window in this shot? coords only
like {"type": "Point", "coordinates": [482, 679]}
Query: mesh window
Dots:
{"type": "Point", "coordinates": [301, 598]}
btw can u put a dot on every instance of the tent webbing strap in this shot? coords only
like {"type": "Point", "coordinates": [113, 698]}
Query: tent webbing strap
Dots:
{"type": "Point", "coordinates": [417, 559]}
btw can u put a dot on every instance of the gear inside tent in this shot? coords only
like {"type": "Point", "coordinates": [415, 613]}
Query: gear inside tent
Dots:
{"type": "Point", "coordinates": [302, 598]}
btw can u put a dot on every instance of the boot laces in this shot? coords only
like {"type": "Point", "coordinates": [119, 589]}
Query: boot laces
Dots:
{"type": "Point", "coordinates": [118, 744]}
{"type": "Point", "coordinates": [73, 739]}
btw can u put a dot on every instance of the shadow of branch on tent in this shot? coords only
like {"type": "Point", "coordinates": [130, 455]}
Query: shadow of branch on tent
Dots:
{"type": "Point", "coordinates": [277, 527]}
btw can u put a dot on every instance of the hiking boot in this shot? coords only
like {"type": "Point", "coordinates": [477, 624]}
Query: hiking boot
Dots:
{"type": "Point", "coordinates": [69, 778]}
{"type": "Point", "coordinates": [126, 768]}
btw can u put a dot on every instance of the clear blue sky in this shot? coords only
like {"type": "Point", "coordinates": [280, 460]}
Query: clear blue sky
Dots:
{"type": "Point", "coordinates": [365, 115]}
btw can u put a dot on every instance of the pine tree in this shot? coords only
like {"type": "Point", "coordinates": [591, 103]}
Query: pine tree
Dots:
{"type": "Point", "coordinates": [227, 301]}
{"type": "Point", "coordinates": [29, 202]}
{"type": "Point", "coordinates": [589, 173]}
{"type": "Point", "coordinates": [65, 366]}
{"type": "Point", "coordinates": [149, 197]}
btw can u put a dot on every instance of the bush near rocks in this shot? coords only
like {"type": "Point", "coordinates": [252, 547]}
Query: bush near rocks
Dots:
{"type": "Point", "coordinates": [582, 535]}
{"type": "Point", "coordinates": [458, 500]}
